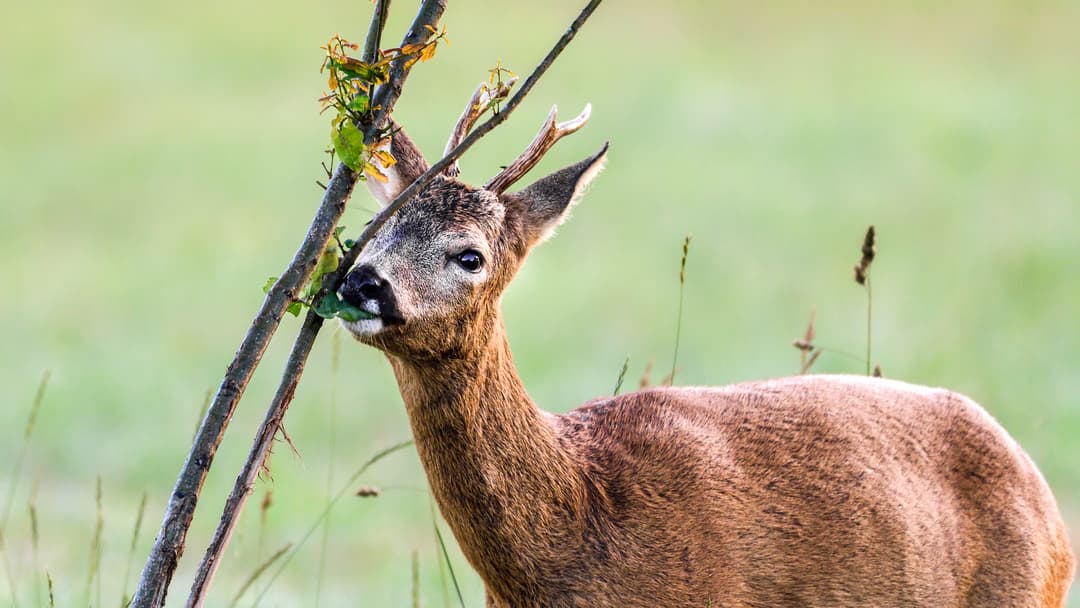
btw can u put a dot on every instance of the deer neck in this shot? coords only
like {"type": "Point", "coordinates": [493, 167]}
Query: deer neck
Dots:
{"type": "Point", "coordinates": [492, 458]}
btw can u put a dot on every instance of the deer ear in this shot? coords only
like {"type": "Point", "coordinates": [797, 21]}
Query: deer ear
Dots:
{"type": "Point", "coordinates": [409, 165]}
{"type": "Point", "coordinates": [547, 201]}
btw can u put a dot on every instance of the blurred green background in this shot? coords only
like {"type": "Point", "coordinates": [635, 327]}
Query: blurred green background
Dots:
{"type": "Point", "coordinates": [157, 163]}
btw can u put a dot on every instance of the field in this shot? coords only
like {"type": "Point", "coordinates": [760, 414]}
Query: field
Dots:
{"type": "Point", "coordinates": [158, 163]}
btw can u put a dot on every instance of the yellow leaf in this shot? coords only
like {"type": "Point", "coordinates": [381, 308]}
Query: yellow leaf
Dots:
{"type": "Point", "coordinates": [427, 52]}
{"type": "Point", "coordinates": [373, 172]}
{"type": "Point", "coordinates": [384, 157]}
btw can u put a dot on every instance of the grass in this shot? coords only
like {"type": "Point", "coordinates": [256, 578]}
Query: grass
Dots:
{"type": "Point", "coordinates": [150, 186]}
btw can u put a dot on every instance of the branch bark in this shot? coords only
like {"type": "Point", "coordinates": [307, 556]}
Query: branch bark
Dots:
{"type": "Point", "coordinates": [169, 545]}
{"type": "Point", "coordinates": [429, 13]}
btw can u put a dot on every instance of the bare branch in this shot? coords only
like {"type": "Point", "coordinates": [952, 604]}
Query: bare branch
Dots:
{"type": "Point", "coordinates": [374, 36]}
{"type": "Point", "coordinates": [478, 104]}
{"type": "Point", "coordinates": [384, 99]}
{"type": "Point", "coordinates": [169, 545]}
{"type": "Point", "coordinates": [429, 14]}
{"type": "Point", "coordinates": [550, 133]}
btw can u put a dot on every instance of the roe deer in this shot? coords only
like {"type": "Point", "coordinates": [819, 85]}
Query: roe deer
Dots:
{"type": "Point", "coordinates": [805, 491]}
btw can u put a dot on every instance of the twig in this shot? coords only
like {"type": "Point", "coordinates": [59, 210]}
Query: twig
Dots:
{"type": "Point", "coordinates": [169, 545]}
{"type": "Point", "coordinates": [429, 14]}
{"type": "Point", "coordinates": [374, 36]}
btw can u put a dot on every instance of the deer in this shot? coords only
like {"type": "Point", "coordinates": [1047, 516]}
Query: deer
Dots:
{"type": "Point", "coordinates": [814, 490]}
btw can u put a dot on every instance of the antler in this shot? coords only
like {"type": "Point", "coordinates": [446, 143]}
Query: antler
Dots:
{"type": "Point", "coordinates": [550, 133]}
{"type": "Point", "coordinates": [481, 99]}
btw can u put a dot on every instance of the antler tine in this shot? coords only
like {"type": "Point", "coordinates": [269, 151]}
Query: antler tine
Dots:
{"type": "Point", "coordinates": [550, 133]}
{"type": "Point", "coordinates": [481, 99]}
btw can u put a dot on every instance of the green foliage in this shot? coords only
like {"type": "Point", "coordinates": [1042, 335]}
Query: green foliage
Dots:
{"type": "Point", "coordinates": [329, 305]}
{"type": "Point", "coordinates": [352, 82]}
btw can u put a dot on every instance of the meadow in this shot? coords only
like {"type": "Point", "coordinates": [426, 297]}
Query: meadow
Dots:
{"type": "Point", "coordinates": [158, 163]}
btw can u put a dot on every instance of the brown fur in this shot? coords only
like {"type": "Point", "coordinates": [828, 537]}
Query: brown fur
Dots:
{"type": "Point", "coordinates": [806, 491]}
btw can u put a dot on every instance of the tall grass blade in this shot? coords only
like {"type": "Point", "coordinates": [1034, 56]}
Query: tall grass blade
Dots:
{"type": "Point", "coordinates": [35, 407]}
{"type": "Point", "coordinates": [202, 412]}
{"type": "Point", "coordinates": [442, 567]}
{"type": "Point", "coordinates": [622, 376]}
{"type": "Point", "coordinates": [35, 542]}
{"type": "Point", "coordinates": [94, 573]}
{"type": "Point", "coordinates": [16, 474]}
{"type": "Point", "coordinates": [678, 321]}
{"type": "Point", "coordinates": [335, 364]}
{"type": "Point", "coordinates": [258, 572]}
{"type": "Point", "coordinates": [125, 599]}
{"type": "Point", "coordinates": [52, 599]}
{"type": "Point", "coordinates": [449, 566]}
{"type": "Point", "coordinates": [326, 512]}
{"type": "Point", "coordinates": [415, 579]}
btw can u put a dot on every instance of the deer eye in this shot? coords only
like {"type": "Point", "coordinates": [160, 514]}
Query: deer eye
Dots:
{"type": "Point", "coordinates": [470, 260]}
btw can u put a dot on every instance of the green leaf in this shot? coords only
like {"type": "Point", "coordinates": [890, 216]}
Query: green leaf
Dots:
{"type": "Point", "coordinates": [328, 306]}
{"type": "Point", "coordinates": [328, 262]}
{"type": "Point", "coordinates": [295, 308]}
{"type": "Point", "coordinates": [349, 144]}
{"type": "Point", "coordinates": [360, 104]}
{"type": "Point", "coordinates": [338, 231]}
{"type": "Point", "coordinates": [349, 312]}
{"type": "Point", "coordinates": [269, 283]}
{"type": "Point", "coordinates": [349, 243]}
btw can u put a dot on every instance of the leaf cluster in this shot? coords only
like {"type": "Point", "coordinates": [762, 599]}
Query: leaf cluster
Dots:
{"type": "Point", "coordinates": [329, 305]}
{"type": "Point", "coordinates": [351, 83]}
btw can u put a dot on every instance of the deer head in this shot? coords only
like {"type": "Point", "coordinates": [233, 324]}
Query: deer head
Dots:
{"type": "Point", "coordinates": [434, 273]}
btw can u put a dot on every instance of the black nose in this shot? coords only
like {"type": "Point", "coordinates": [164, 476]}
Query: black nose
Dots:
{"type": "Point", "coordinates": [362, 284]}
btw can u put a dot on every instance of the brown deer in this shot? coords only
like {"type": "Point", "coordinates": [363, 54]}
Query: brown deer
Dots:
{"type": "Point", "coordinates": [804, 491]}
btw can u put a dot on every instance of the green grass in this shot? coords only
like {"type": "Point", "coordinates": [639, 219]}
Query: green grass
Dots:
{"type": "Point", "coordinates": [157, 163]}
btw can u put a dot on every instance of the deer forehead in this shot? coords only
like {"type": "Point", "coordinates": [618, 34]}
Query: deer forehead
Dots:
{"type": "Point", "coordinates": [448, 212]}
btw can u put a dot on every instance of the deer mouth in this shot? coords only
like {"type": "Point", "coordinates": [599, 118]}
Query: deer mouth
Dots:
{"type": "Point", "coordinates": [382, 316]}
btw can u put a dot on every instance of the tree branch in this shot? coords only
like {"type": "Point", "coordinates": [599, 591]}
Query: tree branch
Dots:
{"type": "Point", "coordinates": [313, 322]}
{"type": "Point", "coordinates": [169, 545]}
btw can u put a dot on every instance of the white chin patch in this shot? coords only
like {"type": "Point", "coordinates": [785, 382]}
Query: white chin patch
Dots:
{"type": "Point", "coordinates": [363, 327]}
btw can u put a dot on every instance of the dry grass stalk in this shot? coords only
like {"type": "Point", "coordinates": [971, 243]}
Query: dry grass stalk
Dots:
{"type": "Point", "coordinates": [622, 376]}
{"type": "Point", "coordinates": [94, 574]}
{"type": "Point", "coordinates": [862, 277]}
{"type": "Point", "coordinates": [258, 572]}
{"type": "Point", "coordinates": [202, 412]}
{"type": "Point", "coordinates": [415, 579]}
{"type": "Point", "coordinates": [646, 375]}
{"type": "Point", "coordinates": [678, 320]}
{"type": "Point", "coordinates": [808, 353]}
{"type": "Point", "coordinates": [35, 543]}
{"type": "Point", "coordinates": [869, 250]}
{"type": "Point", "coordinates": [125, 599]}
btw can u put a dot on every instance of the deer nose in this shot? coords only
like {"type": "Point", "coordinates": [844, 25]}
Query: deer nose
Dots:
{"type": "Point", "coordinates": [362, 284]}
